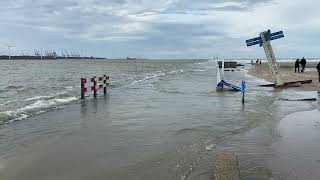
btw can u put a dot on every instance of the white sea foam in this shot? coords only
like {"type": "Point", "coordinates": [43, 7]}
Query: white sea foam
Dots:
{"type": "Point", "coordinates": [37, 98]}
{"type": "Point", "coordinates": [148, 77]}
{"type": "Point", "coordinates": [40, 106]}
{"type": "Point", "coordinates": [200, 70]}
{"type": "Point", "coordinates": [157, 74]}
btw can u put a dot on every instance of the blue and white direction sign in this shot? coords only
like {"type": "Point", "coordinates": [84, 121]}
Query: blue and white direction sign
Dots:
{"type": "Point", "coordinates": [264, 40]}
{"type": "Point", "coordinates": [267, 35]}
{"type": "Point", "coordinates": [253, 41]}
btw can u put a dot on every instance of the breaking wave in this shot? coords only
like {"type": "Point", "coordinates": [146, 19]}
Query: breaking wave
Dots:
{"type": "Point", "coordinates": [157, 74]}
{"type": "Point", "coordinates": [39, 106]}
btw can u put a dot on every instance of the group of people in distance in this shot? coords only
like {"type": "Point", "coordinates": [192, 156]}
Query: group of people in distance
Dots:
{"type": "Point", "coordinates": [303, 63]}
{"type": "Point", "coordinates": [257, 61]}
{"type": "Point", "coordinates": [297, 64]}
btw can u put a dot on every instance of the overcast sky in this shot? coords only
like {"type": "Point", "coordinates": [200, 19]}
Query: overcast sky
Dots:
{"type": "Point", "coordinates": [160, 28]}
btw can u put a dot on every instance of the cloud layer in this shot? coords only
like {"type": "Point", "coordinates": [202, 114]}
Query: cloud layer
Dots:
{"type": "Point", "coordinates": [159, 29]}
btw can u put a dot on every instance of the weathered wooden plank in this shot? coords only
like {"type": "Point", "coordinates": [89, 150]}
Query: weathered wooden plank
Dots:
{"type": "Point", "coordinates": [303, 99]}
{"type": "Point", "coordinates": [288, 83]}
{"type": "Point", "coordinates": [226, 167]}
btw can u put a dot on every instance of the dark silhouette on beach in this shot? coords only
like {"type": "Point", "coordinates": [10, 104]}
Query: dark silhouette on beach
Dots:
{"type": "Point", "coordinates": [318, 68]}
{"type": "Point", "coordinates": [297, 66]}
{"type": "Point", "coordinates": [303, 63]}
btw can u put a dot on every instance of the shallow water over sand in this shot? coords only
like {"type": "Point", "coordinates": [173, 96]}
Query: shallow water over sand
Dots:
{"type": "Point", "coordinates": [296, 147]}
{"type": "Point", "coordinates": [155, 123]}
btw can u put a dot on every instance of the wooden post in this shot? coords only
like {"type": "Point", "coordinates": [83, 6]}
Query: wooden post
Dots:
{"type": "Point", "coordinates": [83, 81]}
{"type": "Point", "coordinates": [105, 84]}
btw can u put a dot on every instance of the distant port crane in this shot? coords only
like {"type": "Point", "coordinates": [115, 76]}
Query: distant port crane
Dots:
{"type": "Point", "coordinates": [9, 49]}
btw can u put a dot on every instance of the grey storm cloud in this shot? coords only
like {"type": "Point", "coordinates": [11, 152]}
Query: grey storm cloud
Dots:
{"type": "Point", "coordinates": [149, 28]}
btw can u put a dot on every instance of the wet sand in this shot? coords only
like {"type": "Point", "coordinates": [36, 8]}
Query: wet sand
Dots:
{"type": "Point", "coordinates": [296, 147]}
{"type": "Point", "coordinates": [294, 151]}
{"type": "Point", "coordinates": [287, 73]}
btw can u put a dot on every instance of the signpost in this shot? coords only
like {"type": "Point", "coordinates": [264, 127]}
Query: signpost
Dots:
{"type": "Point", "coordinates": [264, 40]}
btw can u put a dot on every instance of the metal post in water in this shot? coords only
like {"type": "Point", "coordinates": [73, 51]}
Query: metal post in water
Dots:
{"type": "Point", "coordinates": [94, 86]}
{"type": "Point", "coordinates": [105, 84]}
{"type": "Point", "coordinates": [243, 89]}
{"type": "Point", "coordinates": [242, 98]}
{"type": "Point", "coordinates": [83, 81]}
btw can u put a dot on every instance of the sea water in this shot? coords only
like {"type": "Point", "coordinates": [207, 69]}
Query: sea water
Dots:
{"type": "Point", "coordinates": [161, 119]}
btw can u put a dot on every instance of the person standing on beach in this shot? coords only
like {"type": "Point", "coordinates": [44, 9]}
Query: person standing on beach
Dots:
{"type": "Point", "coordinates": [297, 66]}
{"type": "Point", "coordinates": [303, 63]}
{"type": "Point", "coordinates": [318, 68]}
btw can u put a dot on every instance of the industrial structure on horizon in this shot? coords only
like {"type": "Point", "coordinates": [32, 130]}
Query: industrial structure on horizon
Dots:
{"type": "Point", "coordinates": [46, 54]}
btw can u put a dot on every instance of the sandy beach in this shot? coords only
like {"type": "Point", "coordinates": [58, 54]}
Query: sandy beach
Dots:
{"type": "Point", "coordinates": [288, 74]}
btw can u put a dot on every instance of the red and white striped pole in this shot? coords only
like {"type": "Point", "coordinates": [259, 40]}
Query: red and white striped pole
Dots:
{"type": "Point", "coordinates": [83, 88]}
{"type": "Point", "coordinates": [94, 88]}
{"type": "Point", "coordinates": [105, 84]}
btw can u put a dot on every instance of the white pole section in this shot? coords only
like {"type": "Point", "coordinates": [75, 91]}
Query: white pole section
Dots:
{"type": "Point", "coordinates": [274, 67]}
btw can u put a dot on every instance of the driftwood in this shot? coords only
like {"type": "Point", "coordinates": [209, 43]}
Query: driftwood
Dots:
{"type": "Point", "coordinates": [288, 84]}
{"type": "Point", "coordinates": [303, 99]}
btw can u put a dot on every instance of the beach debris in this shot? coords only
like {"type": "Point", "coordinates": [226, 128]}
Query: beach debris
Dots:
{"type": "Point", "coordinates": [289, 84]}
{"type": "Point", "coordinates": [229, 64]}
{"type": "Point", "coordinates": [303, 99]}
{"type": "Point", "coordinates": [210, 147]}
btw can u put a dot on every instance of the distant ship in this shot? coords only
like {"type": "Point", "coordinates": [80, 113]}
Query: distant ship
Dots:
{"type": "Point", "coordinates": [129, 58]}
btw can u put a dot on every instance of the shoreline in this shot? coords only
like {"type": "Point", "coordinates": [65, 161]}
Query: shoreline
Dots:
{"type": "Point", "coordinates": [292, 155]}
{"type": "Point", "coordinates": [262, 71]}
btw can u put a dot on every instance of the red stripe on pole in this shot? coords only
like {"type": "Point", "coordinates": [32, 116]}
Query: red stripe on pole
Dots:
{"type": "Point", "coordinates": [93, 88]}
{"type": "Point", "coordinates": [93, 78]}
{"type": "Point", "coordinates": [84, 89]}
{"type": "Point", "coordinates": [83, 80]}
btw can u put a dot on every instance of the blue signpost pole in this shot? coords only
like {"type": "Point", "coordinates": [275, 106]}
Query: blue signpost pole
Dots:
{"type": "Point", "coordinates": [243, 89]}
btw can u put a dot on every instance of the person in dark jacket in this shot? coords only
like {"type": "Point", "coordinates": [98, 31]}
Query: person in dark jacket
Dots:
{"type": "Point", "coordinates": [303, 63]}
{"type": "Point", "coordinates": [318, 68]}
{"type": "Point", "coordinates": [297, 66]}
